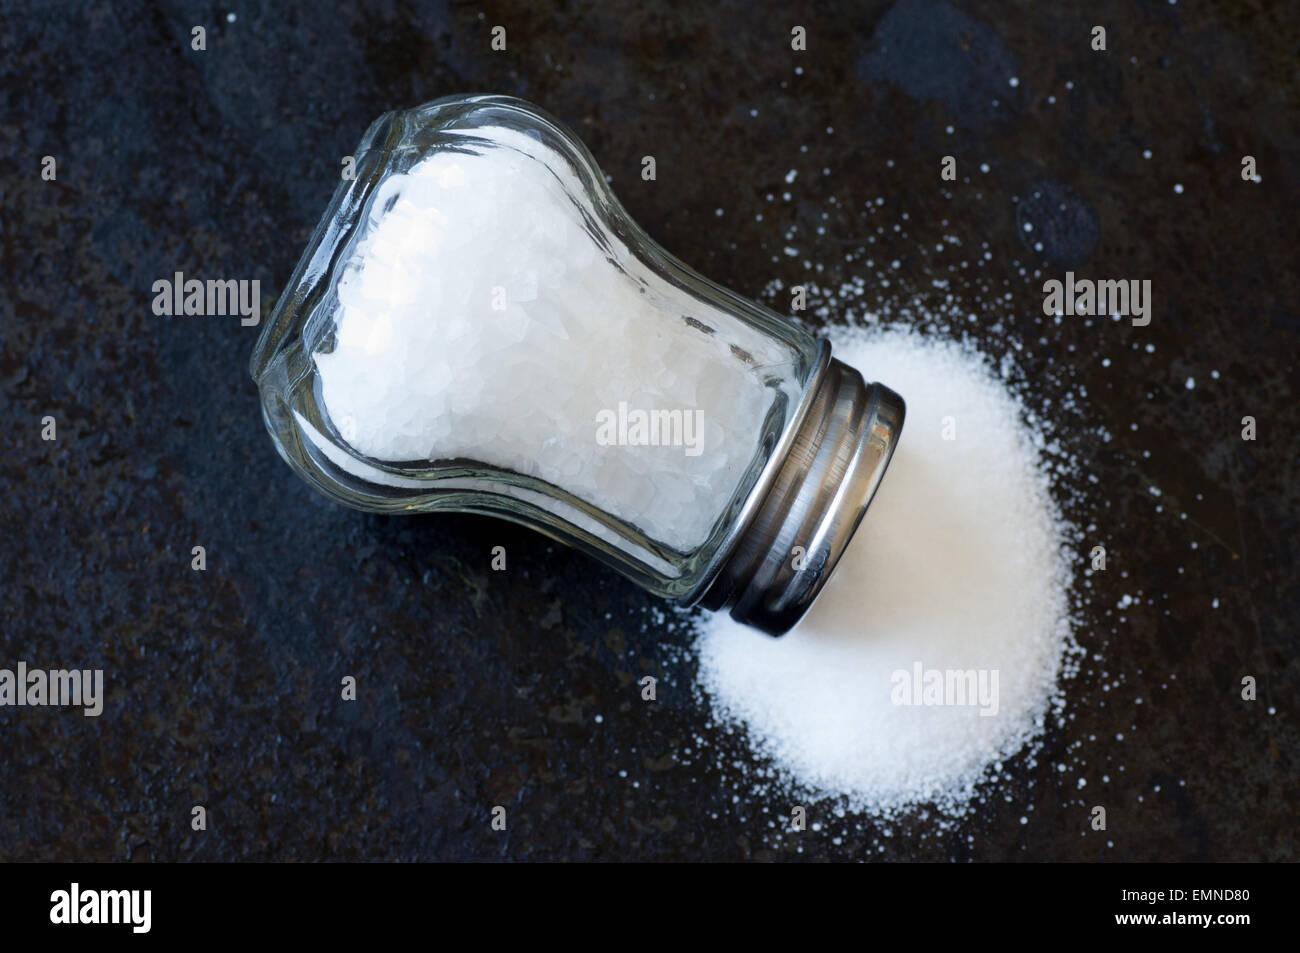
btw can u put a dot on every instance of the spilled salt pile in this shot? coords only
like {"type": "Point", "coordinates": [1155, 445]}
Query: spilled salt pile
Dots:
{"type": "Point", "coordinates": [935, 650]}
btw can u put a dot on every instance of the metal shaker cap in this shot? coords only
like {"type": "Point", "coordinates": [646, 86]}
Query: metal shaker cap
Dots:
{"type": "Point", "coordinates": [807, 514]}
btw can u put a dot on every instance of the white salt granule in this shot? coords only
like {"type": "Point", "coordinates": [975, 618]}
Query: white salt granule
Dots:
{"type": "Point", "coordinates": [479, 317]}
{"type": "Point", "coordinates": [958, 565]}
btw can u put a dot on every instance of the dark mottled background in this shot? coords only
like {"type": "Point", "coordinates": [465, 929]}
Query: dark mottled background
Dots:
{"type": "Point", "coordinates": [481, 688]}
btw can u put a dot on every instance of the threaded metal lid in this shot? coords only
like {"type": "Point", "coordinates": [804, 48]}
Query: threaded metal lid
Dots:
{"type": "Point", "coordinates": [812, 508]}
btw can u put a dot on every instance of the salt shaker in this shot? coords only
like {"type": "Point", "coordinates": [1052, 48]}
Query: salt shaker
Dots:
{"type": "Point", "coordinates": [477, 325]}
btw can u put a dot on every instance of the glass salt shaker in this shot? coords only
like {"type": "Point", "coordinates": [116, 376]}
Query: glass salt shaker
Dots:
{"type": "Point", "coordinates": [478, 326]}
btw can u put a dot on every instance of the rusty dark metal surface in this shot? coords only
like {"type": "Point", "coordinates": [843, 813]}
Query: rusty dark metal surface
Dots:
{"type": "Point", "coordinates": [478, 688]}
